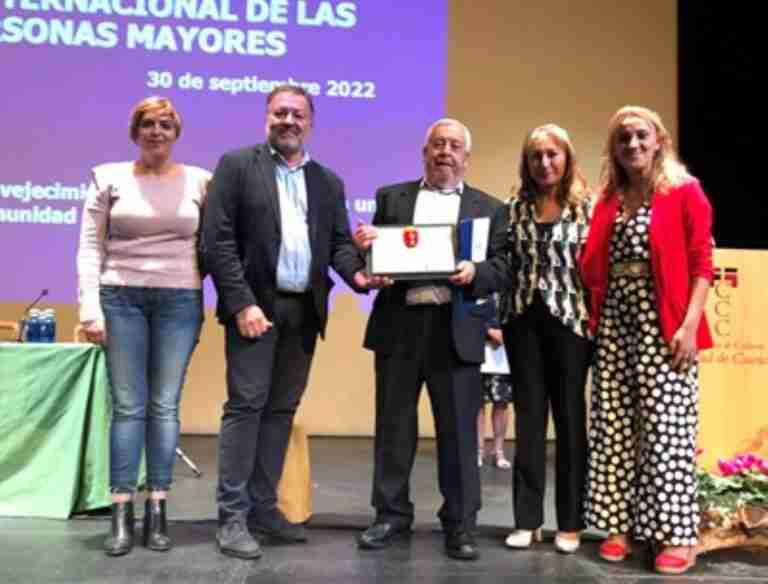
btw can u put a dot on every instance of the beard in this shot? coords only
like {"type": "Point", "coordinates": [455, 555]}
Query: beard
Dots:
{"type": "Point", "coordinates": [286, 141]}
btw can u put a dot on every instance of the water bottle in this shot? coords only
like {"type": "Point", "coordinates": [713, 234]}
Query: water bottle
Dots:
{"type": "Point", "coordinates": [53, 325]}
{"type": "Point", "coordinates": [43, 327]}
{"type": "Point", "coordinates": [48, 326]}
{"type": "Point", "coordinates": [32, 326]}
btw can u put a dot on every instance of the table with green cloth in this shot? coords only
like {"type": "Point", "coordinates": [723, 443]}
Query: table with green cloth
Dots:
{"type": "Point", "coordinates": [54, 429]}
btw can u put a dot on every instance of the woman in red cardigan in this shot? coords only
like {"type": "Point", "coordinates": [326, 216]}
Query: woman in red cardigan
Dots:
{"type": "Point", "coordinates": [647, 266]}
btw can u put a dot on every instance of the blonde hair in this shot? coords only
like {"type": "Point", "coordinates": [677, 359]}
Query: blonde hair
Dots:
{"type": "Point", "coordinates": [573, 188]}
{"type": "Point", "coordinates": [153, 104]}
{"type": "Point", "coordinates": [667, 170]}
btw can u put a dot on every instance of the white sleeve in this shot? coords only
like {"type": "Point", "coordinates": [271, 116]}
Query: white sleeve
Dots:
{"type": "Point", "coordinates": [91, 252]}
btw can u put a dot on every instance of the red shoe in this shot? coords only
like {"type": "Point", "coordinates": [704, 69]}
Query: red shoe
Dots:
{"type": "Point", "coordinates": [667, 563]}
{"type": "Point", "coordinates": [614, 550]}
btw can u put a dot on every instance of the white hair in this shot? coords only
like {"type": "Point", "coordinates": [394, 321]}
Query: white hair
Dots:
{"type": "Point", "coordinates": [450, 122]}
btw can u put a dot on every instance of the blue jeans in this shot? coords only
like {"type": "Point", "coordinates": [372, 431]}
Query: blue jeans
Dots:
{"type": "Point", "coordinates": [151, 333]}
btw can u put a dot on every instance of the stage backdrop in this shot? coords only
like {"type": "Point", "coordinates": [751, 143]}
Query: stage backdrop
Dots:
{"type": "Point", "coordinates": [73, 70]}
{"type": "Point", "coordinates": [734, 374]}
{"type": "Point", "coordinates": [510, 66]}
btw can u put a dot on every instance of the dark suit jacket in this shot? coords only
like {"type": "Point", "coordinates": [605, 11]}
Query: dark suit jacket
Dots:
{"type": "Point", "coordinates": [241, 233]}
{"type": "Point", "coordinates": [395, 206]}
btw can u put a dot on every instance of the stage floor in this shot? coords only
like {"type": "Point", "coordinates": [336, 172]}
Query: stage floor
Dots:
{"type": "Point", "coordinates": [36, 550]}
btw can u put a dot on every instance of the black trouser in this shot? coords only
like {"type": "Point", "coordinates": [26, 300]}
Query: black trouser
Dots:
{"type": "Point", "coordinates": [424, 352]}
{"type": "Point", "coordinates": [266, 378]}
{"type": "Point", "coordinates": [549, 364]}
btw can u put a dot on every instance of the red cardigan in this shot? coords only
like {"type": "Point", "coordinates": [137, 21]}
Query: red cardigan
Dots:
{"type": "Point", "coordinates": [681, 249]}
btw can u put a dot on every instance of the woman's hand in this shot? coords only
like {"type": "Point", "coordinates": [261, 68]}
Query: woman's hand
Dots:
{"type": "Point", "coordinates": [94, 332]}
{"type": "Point", "coordinates": [683, 348]}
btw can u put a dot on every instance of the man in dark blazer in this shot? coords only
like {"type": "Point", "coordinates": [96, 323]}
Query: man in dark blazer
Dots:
{"type": "Point", "coordinates": [274, 221]}
{"type": "Point", "coordinates": [430, 332]}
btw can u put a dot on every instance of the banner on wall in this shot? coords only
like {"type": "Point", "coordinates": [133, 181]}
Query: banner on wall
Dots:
{"type": "Point", "coordinates": [734, 401]}
{"type": "Point", "coordinates": [72, 72]}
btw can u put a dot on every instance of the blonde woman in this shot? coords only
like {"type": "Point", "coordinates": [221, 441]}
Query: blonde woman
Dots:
{"type": "Point", "coordinates": [648, 267]}
{"type": "Point", "coordinates": [544, 321]}
{"type": "Point", "coordinates": [140, 296]}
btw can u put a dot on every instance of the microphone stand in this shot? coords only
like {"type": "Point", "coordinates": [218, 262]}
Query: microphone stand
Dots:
{"type": "Point", "coordinates": [189, 462]}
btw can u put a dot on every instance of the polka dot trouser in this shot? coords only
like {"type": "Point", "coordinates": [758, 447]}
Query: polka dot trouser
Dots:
{"type": "Point", "coordinates": [641, 476]}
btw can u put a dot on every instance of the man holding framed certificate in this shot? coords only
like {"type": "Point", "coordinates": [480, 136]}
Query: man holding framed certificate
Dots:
{"type": "Point", "coordinates": [424, 328]}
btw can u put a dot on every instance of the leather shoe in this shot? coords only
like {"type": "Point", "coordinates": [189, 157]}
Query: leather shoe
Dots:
{"type": "Point", "coordinates": [276, 526]}
{"type": "Point", "coordinates": [381, 535]}
{"type": "Point", "coordinates": [567, 544]}
{"type": "Point", "coordinates": [156, 526]}
{"type": "Point", "coordinates": [120, 540]}
{"type": "Point", "coordinates": [461, 545]}
{"type": "Point", "coordinates": [234, 540]}
{"type": "Point", "coordinates": [523, 538]}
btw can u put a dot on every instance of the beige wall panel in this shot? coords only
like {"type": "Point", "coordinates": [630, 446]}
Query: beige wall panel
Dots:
{"type": "Point", "coordinates": [517, 65]}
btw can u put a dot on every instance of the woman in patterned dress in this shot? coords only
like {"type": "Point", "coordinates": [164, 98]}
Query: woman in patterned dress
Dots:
{"type": "Point", "coordinates": [648, 267]}
{"type": "Point", "coordinates": [544, 320]}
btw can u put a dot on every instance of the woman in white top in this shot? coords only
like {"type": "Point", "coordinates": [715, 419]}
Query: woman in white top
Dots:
{"type": "Point", "coordinates": [140, 296]}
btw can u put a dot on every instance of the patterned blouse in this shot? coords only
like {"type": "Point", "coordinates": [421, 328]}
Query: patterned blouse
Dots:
{"type": "Point", "coordinates": [545, 259]}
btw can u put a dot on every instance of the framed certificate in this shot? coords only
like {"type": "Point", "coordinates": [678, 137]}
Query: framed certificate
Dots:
{"type": "Point", "coordinates": [413, 252]}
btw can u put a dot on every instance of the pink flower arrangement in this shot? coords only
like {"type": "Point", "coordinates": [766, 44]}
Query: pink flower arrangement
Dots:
{"type": "Point", "coordinates": [742, 463]}
{"type": "Point", "coordinates": [742, 482]}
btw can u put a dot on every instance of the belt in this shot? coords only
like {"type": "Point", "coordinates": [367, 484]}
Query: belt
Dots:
{"type": "Point", "coordinates": [632, 269]}
{"type": "Point", "coordinates": [292, 293]}
{"type": "Point", "coordinates": [426, 295]}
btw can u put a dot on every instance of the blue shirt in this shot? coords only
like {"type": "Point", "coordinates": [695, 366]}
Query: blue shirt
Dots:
{"type": "Point", "coordinates": [295, 256]}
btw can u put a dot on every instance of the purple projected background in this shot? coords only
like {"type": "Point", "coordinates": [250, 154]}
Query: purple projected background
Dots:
{"type": "Point", "coordinates": [67, 106]}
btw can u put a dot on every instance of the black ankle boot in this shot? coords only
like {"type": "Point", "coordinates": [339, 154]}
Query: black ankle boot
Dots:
{"type": "Point", "coordinates": [155, 526]}
{"type": "Point", "coordinates": [120, 540]}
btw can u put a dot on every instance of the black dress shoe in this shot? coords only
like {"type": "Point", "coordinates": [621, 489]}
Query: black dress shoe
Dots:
{"type": "Point", "coordinates": [156, 526]}
{"type": "Point", "coordinates": [276, 526]}
{"type": "Point", "coordinates": [120, 540]}
{"type": "Point", "coordinates": [235, 540]}
{"type": "Point", "coordinates": [461, 545]}
{"type": "Point", "coordinates": [381, 535]}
